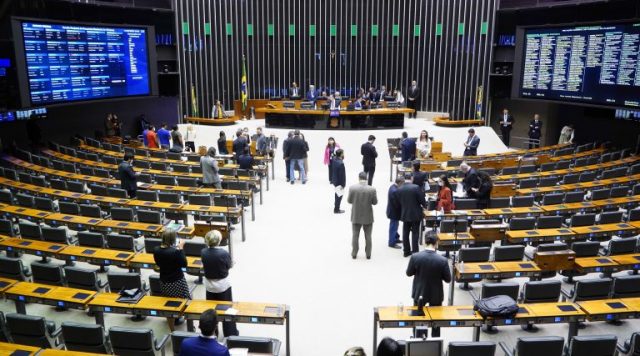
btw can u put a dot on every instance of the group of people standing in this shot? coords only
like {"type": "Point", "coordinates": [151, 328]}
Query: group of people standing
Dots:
{"type": "Point", "coordinates": [534, 132]}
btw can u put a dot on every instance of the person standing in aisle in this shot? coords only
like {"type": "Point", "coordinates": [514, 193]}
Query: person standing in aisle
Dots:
{"type": "Point", "coordinates": [362, 197]}
{"type": "Point", "coordinates": [339, 180]}
{"type": "Point", "coordinates": [329, 154]}
{"type": "Point", "coordinates": [413, 99]}
{"type": "Point", "coordinates": [535, 132]}
{"type": "Point", "coordinates": [369, 155]}
{"type": "Point", "coordinates": [506, 124]}
{"type": "Point", "coordinates": [394, 211]}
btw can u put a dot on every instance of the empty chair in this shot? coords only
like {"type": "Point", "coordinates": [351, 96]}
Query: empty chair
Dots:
{"type": "Point", "coordinates": [174, 156]}
{"type": "Point", "coordinates": [582, 220]}
{"type": "Point", "coordinates": [177, 337]}
{"type": "Point", "coordinates": [548, 181]}
{"type": "Point", "coordinates": [466, 204]}
{"type": "Point", "coordinates": [541, 291]}
{"type": "Point", "coordinates": [122, 242]}
{"type": "Point", "coordinates": [24, 177]}
{"type": "Point", "coordinates": [549, 222]}
{"type": "Point", "coordinates": [90, 239]}
{"type": "Point", "coordinates": [550, 166]}
{"type": "Point", "coordinates": [149, 216]}
{"type": "Point", "coordinates": [636, 189]}
{"type": "Point", "coordinates": [227, 171]}
{"type": "Point", "coordinates": [528, 183]}
{"type": "Point", "coordinates": [196, 169]}
{"type": "Point", "coordinates": [599, 194]}
{"type": "Point", "coordinates": [621, 191]}
{"type": "Point", "coordinates": [553, 198]}
{"type": "Point", "coordinates": [135, 341]}
{"type": "Point", "coordinates": [10, 174]}
{"type": "Point", "coordinates": [592, 345]}
{"type": "Point", "coordinates": [91, 211]}
{"type": "Point", "coordinates": [122, 214]}
{"type": "Point", "coordinates": [563, 164]}
{"type": "Point", "coordinates": [574, 197]}
{"type": "Point", "coordinates": [193, 248]}
{"type": "Point", "coordinates": [69, 167]}
{"type": "Point", "coordinates": [140, 152]}
{"type": "Point", "coordinates": [30, 231]}
{"type": "Point", "coordinates": [56, 234]}
{"type": "Point", "coordinates": [158, 154]}
{"type": "Point", "coordinates": [536, 346]}
{"type": "Point", "coordinates": [258, 345]}
{"type": "Point", "coordinates": [83, 278]}
{"type": "Point", "coordinates": [626, 286]}
{"type": "Point", "coordinates": [39, 181]}
{"type": "Point", "coordinates": [589, 289]}
{"type": "Point", "coordinates": [180, 168]}
{"type": "Point", "coordinates": [199, 199]}
{"type": "Point", "coordinates": [527, 168]}
{"type": "Point", "coordinates": [522, 201]}
{"type": "Point", "coordinates": [587, 177]}
{"type": "Point", "coordinates": [47, 273]}
{"type": "Point", "coordinates": [109, 160]}
{"type": "Point", "coordinates": [102, 173]}
{"type": "Point", "coordinates": [488, 170]}
{"type": "Point", "coordinates": [141, 164]}
{"type": "Point", "coordinates": [76, 187]}
{"type": "Point", "coordinates": [155, 288]}
{"type": "Point", "coordinates": [99, 190]}
{"type": "Point", "coordinates": [58, 184]}
{"type": "Point", "coordinates": [570, 178]}
{"type": "Point", "coordinates": [166, 180]}
{"type": "Point", "coordinates": [193, 158]}
{"type": "Point", "coordinates": [499, 202]}
{"type": "Point", "coordinates": [509, 170]}
{"type": "Point", "coordinates": [617, 246]}
{"type": "Point", "coordinates": [187, 182]}
{"type": "Point", "coordinates": [13, 268]}
{"type": "Point", "coordinates": [635, 169]}
{"type": "Point", "coordinates": [593, 160]}
{"type": "Point", "coordinates": [171, 198]}
{"type": "Point", "coordinates": [634, 214]}
{"type": "Point", "coordinates": [508, 253]}
{"type": "Point", "coordinates": [469, 348]}
{"type": "Point", "coordinates": [610, 217]}
{"type": "Point", "coordinates": [87, 171]}
{"type": "Point", "coordinates": [6, 196]}
{"type": "Point", "coordinates": [581, 162]}
{"type": "Point", "coordinates": [504, 288]}
{"type": "Point", "coordinates": [147, 195]}
{"type": "Point", "coordinates": [32, 330]}
{"type": "Point", "coordinates": [6, 228]}
{"type": "Point", "coordinates": [125, 280]}
{"type": "Point", "coordinates": [43, 203]}
{"type": "Point", "coordinates": [145, 178]}
{"type": "Point", "coordinates": [117, 193]}
{"type": "Point", "coordinates": [84, 337]}
{"type": "Point", "coordinates": [150, 244]}
{"type": "Point", "coordinates": [70, 208]}
{"type": "Point", "coordinates": [473, 254]}
{"type": "Point", "coordinates": [449, 226]}
{"type": "Point", "coordinates": [25, 200]}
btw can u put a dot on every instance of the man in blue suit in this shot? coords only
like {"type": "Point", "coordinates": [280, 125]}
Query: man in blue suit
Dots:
{"type": "Point", "coordinates": [408, 147]}
{"type": "Point", "coordinates": [205, 344]}
{"type": "Point", "coordinates": [311, 94]}
{"type": "Point", "coordinates": [472, 143]}
{"type": "Point", "coordinates": [393, 212]}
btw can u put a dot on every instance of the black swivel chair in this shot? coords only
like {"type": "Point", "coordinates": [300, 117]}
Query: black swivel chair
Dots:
{"type": "Point", "coordinates": [6, 228]}
{"type": "Point", "coordinates": [610, 217]}
{"type": "Point", "coordinates": [99, 190]}
{"type": "Point", "coordinates": [57, 235]}
{"type": "Point", "coordinates": [122, 214]}
{"type": "Point", "coordinates": [522, 201]}
{"type": "Point", "coordinates": [13, 268]}
{"type": "Point", "coordinates": [600, 194]}
{"type": "Point", "coordinates": [150, 217]}
{"type": "Point", "coordinates": [626, 287]}
{"type": "Point", "coordinates": [539, 292]}
{"type": "Point", "coordinates": [135, 341]}
{"type": "Point", "coordinates": [83, 278]}
{"type": "Point", "coordinates": [117, 193]}
{"type": "Point", "coordinates": [32, 330]}
{"type": "Point", "coordinates": [147, 195]}
{"type": "Point", "coordinates": [76, 187]}
{"type": "Point", "coordinates": [48, 273]}
{"type": "Point", "coordinates": [508, 253]}
{"type": "Point", "coordinates": [127, 280]}
{"type": "Point", "coordinates": [549, 181]}
{"type": "Point", "coordinates": [449, 226]}
{"type": "Point", "coordinates": [258, 345]}
{"type": "Point", "coordinates": [473, 254]}
{"type": "Point", "coordinates": [618, 246]}
{"type": "Point", "coordinates": [44, 203]}
{"type": "Point", "coordinates": [536, 346]}
{"type": "Point", "coordinates": [69, 208]}
{"type": "Point", "coordinates": [91, 211]}
{"type": "Point", "coordinates": [528, 183]}
{"type": "Point", "coordinates": [496, 203]}
{"type": "Point", "coordinates": [6, 196]}
{"type": "Point", "coordinates": [621, 191]}
{"type": "Point", "coordinates": [150, 244]}
{"type": "Point", "coordinates": [85, 337]}
{"type": "Point", "coordinates": [166, 180]}
{"type": "Point", "coordinates": [172, 198]}
{"type": "Point", "coordinates": [510, 289]}
{"type": "Point", "coordinates": [30, 231]}
{"type": "Point", "coordinates": [90, 239]}
{"type": "Point", "coordinates": [589, 289]}
{"type": "Point", "coordinates": [522, 224]}
{"type": "Point", "coordinates": [478, 348]}
{"type": "Point", "coordinates": [25, 200]}
{"type": "Point", "coordinates": [592, 345]}
{"type": "Point", "coordinates": [631, 347]}
{"type": "Point", "coordinates": [582, 220]}
{"type": "Point", "coordinates": [549, 222]}
{"type": "Point", "coordinates": [574, 197]}
{"type": "Point", "coordinates": [582, 249]}
{"type": "Point", "coordinates": [177, 337]}
{"type": "Point", "coordinates": [466, 204]}
{"type": "Point", "coordinates": [122, 242]}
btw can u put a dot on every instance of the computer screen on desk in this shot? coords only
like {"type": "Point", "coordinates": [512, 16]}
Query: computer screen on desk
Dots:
{"type": "Point", "coordinates": [420, 347]}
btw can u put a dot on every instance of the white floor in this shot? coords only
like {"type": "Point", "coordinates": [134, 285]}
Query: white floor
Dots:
{"type": "Point", "coordinates": [298, 253]}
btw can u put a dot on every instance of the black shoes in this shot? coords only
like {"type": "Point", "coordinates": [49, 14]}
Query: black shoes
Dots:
{"type": "Point", "coordinates": [338, 211]}
{"type": "Point", "coordinates": [407, 254]}
{"type": "Point", "coordinates": [395, 246]}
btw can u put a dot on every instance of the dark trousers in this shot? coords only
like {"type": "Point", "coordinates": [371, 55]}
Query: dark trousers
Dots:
{"type": "Point", "coordinates": [286, 166]}
{"type": "Point", "coordinates": [413, 104]}
{"type": "Point", "coordinates": [370, 171]}
{"type": "Point", "coordinates": [228, 327]}
{"type": "Point", "coordinates": [191, 145]}
{"type": "Point", "coordinates": [412, 227]}
{"type": "Point", "coordinates": [336, 202]}
{"type": "Point", "coordinates": [435, 331]}
{"type": "Point", "coordinates": [506, 134]}
{"type": "Point", "coordinates": [132, 193]}
{"type": "Point", "coordinates": [534, 142]}
{"type": "Point", "coordinates": [330, 167]}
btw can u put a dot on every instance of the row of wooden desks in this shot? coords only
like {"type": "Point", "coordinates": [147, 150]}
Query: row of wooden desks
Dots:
{"type": "Point", "coordinates": [100, 303]}
{"type": "Point", "coordinates": [560, 172]}
{"type": "Point", "coordinates": [576, 186]}
{"type": "Point", "coordinates": [536, 313]}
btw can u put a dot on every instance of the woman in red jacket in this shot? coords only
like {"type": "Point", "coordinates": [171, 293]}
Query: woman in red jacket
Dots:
{"type": "Point", "coordinates": [445, 195]}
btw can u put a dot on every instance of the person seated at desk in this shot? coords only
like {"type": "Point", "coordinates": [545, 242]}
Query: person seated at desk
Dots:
{"type": "Point", "coordinates": [245, 160]}
{"type": "Point", "coordinates": [312, 95]}
{"type": "Point", "coordinates": [218, 110]}
{"type": "Point", "coordinates": [445, 195]}
{"type": "Point", "coordinates": [294, 91]}
{"type": "Point", "coordinates": [379, 96]}
{"type": "Point", "coordinates": [216, 263]}
{"type": "Point", "coordinates": [205, 344]}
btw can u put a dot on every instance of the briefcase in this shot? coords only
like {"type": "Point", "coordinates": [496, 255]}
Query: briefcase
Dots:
{"type": "Point", "coordinates": [555, 260]}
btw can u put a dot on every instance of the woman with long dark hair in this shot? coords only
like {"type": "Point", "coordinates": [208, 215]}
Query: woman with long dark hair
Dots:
{"type": "Point", "coordinates": [329, 153]}
{"type": "Point", "coordinates": [445, 195]}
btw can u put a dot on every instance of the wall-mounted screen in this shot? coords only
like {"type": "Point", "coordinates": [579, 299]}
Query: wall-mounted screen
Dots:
{"type": "Point", "coordinates": [597, 64]}
{"type": "Point", "coordinates": [62, 62]}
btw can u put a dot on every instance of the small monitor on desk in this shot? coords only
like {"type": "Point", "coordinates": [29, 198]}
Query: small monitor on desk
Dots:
{"type": "Point", "coordinates": [389, 98]}
{"type": "Point", "coordinates": [420, 347]}
{"type": "Point", "coordinates": [393, 104]}
{"type": "Point", "coordinates": [306, 105]}
{"type": "Point", "coordinates": [288, 104]}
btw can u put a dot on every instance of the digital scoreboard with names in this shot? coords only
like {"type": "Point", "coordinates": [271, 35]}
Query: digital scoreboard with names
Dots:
{"type": "Point", "coordinates": [68, 62]}
{"type": "Point", "coordinates": [594, 64]}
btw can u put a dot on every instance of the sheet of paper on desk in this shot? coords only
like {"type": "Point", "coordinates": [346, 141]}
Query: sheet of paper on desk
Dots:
{"type": "Point", "coordinates": [238, 352]}
{"type": "Point", "coordinates": [231, 311]}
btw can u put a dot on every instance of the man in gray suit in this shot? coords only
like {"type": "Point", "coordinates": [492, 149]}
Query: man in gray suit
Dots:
{"type": "Point", "coordinates": [429, 270]}
{"type": "Point", "coordinates": [362, 197]}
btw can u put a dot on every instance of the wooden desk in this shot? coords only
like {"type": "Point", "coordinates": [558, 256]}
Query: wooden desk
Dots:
{"type": "Point", "coordinates": [103, 201]}
{"type": "Point", "coordinates": [55, 352]}
{"type": "Point", "coordinates": [575, 186]}
{"type": "Point", "coordinates": [64, 297]}
{"type": "Point", "coordinates": [605, 230]}
{"type": "Point", "coordinates": [143, 204]}
{"type": "Point", "coordinates": [495, 270]}
{"type": "Point", "coordinates": [488, 232]}
{"type": "Point", "coordinates": [554, 313]}
{"type": "Point", "coordinates": [447, 122]}
{"type": "Point", "coordinates": [106, 303]}
{"type": "Point", "coordinates": [213, 122]}
{"type": "Point", "coordinates": [628, 262]}
{"type": "Point", "coordinates": [514, 212]}
{"type": "Point", "coordinates": [456, 316]}
{"type": "Point", "coordinates": [32, 247]}
{"type": "Point", "coordinates": [74, 222]}
{"type": "Point", "coordinates": [322, 119]}
{"type": "Point", "coordinates": [101, 256]}
{"type": "Point", "coordinates": [608, 310]}
{"type": "Point", "coordinates": [570, 208]}
{"type": "Point", "coordinates": [596, 264]}
{"type": "Point", "coordinates": [449, 241]}
{"type": "Point", "coordinates": [24, 213]}
{"type": "Point", "coordinates": [540, 235]}
{"type": "Point", "coordinates": [6, 283]}
{"type": "Point", "coordinates": [393, 317]}
{"type": "Point", "coordinates": [433, 215]}
{"type": "Point", "coordinates": [146, 261]}
{"type": "Point", "coordinates": [7, 348]}
{"type": "Point", "coordinates": [160, 306]}
{"type": "Point", "coordinates": [251, 313]}
{"type": "Point", "coordinates": [26, 292]}
{"type": "Point", "coordinates": [129, 227]}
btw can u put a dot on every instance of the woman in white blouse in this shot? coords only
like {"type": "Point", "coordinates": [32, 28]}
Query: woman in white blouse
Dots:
{"type": "Point", "coordinates": [423, 145]}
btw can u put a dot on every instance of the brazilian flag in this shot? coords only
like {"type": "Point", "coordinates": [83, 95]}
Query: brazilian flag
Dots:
{"type": "Point", "coordinates": [243, 84]}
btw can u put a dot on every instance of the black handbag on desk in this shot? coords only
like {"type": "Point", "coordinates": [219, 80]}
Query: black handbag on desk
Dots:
{"type": "Point", "coordinates": [499, 306]}
{"type": "Point", "coordinates": [130, 296]}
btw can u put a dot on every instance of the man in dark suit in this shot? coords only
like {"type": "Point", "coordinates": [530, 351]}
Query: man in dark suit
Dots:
{"type": "Point", "coordinates": [413, 95]}
{"type": "Point", "coordinates": [312, 95]}
{"type": "Point", "coordinates": [429, 270]}
{"type": "Point", "coordinates": [394, 211]}
{"type": "Point", "coordinates": [339, 180]}
{"type": "Point", "coordinates": [506, 124]}
{"type": "Point", "coordinates": [535, 132]}
{"type": "Point", "coordinates": [128, 178]}
{"type": "Point", "coordinates": [419, 178]}
{"type": "Point", "coordinates": [294, 91]}
{"type": "Point", "coordinates": [412, 203]}
{"type": "Point", "coordinates": [239, 144]}
{"type": "Point", "coordinates": [285, 147]}
{"type": "Point", "coordinates": [471, 144]}
{"type": "Point", "coordinates": [296, 152]}
{"type": "Point", "coordinates": [369, 155]}
{"type": "Point", "coordinates": [408, 147]}
{"type": "Point", "coordinates": [470, 180]}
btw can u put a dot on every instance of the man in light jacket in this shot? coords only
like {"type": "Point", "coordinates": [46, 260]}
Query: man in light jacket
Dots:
{"type": "Point", "coordinates": [362, 198]}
